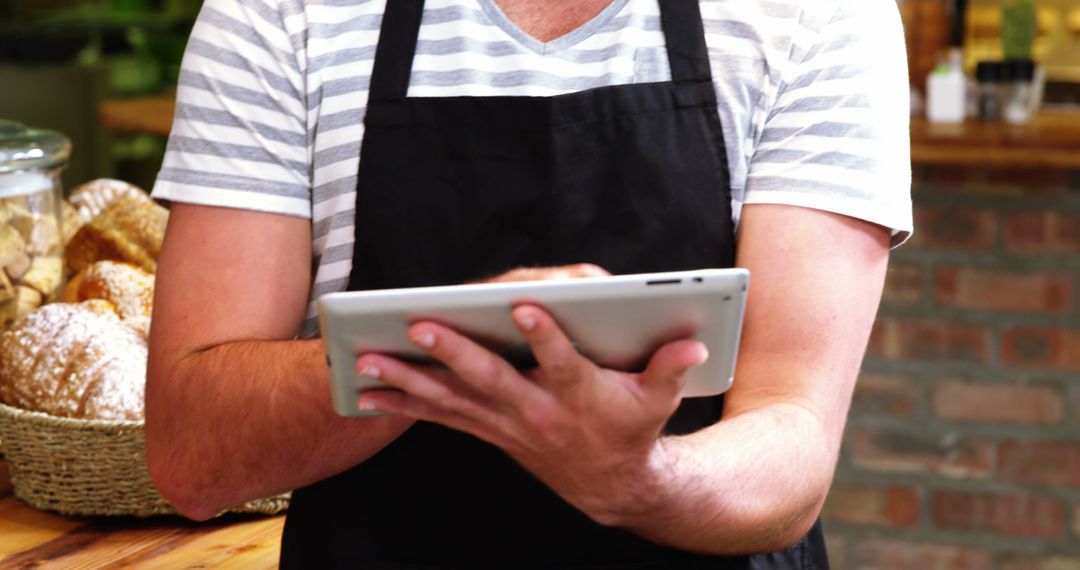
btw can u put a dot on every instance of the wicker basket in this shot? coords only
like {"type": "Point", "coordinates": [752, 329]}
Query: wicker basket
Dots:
{"type": "Point", "coordinates": [88, 467]}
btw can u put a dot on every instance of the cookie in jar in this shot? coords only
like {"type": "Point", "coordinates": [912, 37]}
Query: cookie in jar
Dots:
{"type": "Point", "coordinates": [31, 238]}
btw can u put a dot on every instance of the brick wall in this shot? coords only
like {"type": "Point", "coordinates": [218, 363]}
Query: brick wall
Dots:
{"type": "Point", "coordinates": [963, 443]}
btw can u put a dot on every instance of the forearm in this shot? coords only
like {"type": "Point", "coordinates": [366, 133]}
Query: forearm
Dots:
{"type": "Point", "coordinates": [249, 419]}
{"type": "Point", "coordinates": [756, 480]}
{"type": "Point", "coordinates": [751, 483]}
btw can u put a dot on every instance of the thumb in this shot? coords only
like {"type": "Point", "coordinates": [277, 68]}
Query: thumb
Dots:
{"type": "Point", "coordinates": [668, 366]}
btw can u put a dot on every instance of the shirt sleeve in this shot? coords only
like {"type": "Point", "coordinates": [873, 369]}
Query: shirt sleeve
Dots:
{"type": "Point", "coordinates": [239, 138]}
{"type": "Point", "coordinates": [837, 136]}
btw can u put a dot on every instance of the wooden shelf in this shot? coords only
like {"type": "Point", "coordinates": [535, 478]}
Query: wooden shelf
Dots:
{"type": "Point", "coordinates": [153, 115]}
{"type": "Point", "coordinates": [1051, 139]}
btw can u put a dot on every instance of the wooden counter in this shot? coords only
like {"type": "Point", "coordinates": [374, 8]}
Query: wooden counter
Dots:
{"type": "Point", "coordinates": [30, 538]}
{"type": "Point", "coordinates": [1052, 139]}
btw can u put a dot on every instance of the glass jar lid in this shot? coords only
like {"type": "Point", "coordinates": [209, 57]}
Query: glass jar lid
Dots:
{"type": "Point", "coordinates": [31, 149]}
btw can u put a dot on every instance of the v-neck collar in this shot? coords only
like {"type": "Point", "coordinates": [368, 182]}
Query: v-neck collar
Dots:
{"type": "Point", "coordinates": [570, 39]}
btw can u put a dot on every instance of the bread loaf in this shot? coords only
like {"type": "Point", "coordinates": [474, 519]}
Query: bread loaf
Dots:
{"type": "Point", "coordinates": [130, 230]}
{"type": "Point", "coordinates": [74, 360]}
{"type": "Point", "coordinates": [91, 199]}
{"type": "Point", "coordinates": [71, 221]}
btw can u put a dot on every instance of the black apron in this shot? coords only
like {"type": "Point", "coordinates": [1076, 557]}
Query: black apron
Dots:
{"type": "Point", "coordinates": [633, 178]}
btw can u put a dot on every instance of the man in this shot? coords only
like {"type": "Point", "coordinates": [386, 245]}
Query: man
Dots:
{"type": "Point", "coordinates": [415, 144]}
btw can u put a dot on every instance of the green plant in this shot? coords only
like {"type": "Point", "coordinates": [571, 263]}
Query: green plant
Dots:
{"type": "Point", "coordinates": [1017, 28]}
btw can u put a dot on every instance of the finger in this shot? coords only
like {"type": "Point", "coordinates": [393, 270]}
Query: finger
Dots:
{"type": "Point", "coordinates": [574, 271]}
{"type": "Point", "coordinates": [519, 274]}
{"type": "Point", "coordinates": [439, 388]}
{"type": "Point", "coordinates": [666, 371]}
{"type": "Point", "coordinates": [587, 270]}
{"type": "Point", "coordinates": [555, 353]}
{"type": "Point", "coordinates": [527, 274]}
{"type": "Point", "coordinates": [476, 366]}
{"type": "Point", "coordinates": [394, 402]}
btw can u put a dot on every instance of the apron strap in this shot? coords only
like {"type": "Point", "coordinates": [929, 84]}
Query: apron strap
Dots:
{"type": "Point", "coordinates": [680, 19]}
{"type": "Point", "coordinates": [685, 37]}
{"type": "Point", "coordinates": [397, 46]}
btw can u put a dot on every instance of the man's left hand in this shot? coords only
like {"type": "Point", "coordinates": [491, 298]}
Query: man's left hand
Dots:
{"type": "Point", "coordinates": [591, 434]}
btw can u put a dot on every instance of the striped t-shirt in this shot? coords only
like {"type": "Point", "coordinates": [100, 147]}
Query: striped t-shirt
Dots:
{"type": "Point", "coordinates": [813, 99]}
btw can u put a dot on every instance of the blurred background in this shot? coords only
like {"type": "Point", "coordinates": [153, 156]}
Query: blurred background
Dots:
{"type": "Point", "coordinates": [963, 443]}
{"type": "Point", "coordinates": [62, 62]}
{"type": "Point", "coordinates": [963, 446]}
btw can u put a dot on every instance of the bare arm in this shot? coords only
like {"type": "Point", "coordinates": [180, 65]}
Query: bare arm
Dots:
{"type": "Point", "coordinates": [753, 482]}
{"type": "Point", "coordinates": [236, 409]}
{"type": "Point", "coordinates": [756, 481]}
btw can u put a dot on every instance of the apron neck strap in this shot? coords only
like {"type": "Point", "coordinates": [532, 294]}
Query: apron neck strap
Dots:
{"type": "Point", "coordinates": [681, 21]}
{"type": "Point", "coordinates": [397, 46]}
{"type": "Point", "coordinates": [685, 37]}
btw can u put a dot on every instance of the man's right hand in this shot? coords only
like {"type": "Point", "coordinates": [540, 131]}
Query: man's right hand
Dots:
{"type": "Point", "coordinates": [574, 271]}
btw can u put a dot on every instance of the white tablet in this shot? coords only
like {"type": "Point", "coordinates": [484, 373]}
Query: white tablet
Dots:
{"type": "Point", "coordinates": [616, 321]}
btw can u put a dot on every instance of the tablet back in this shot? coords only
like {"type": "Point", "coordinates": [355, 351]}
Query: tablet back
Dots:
{"type": "Point", "coordinates": [616, 321]}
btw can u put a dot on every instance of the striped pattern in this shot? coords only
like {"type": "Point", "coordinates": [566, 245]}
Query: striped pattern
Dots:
{"type": "Point", "coordinates": [813, 98]}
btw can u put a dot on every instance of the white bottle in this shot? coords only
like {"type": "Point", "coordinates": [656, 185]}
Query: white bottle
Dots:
{"type": "Point", "coordinates": [945, 91]}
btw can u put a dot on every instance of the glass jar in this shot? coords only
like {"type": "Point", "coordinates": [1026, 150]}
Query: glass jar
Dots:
{"type": "Point", "coordinates": [1018, 106]}
{"type": "Point", "coordinates": [31, 241]}
{"type": "Point", "coordinates": [991, 94]}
